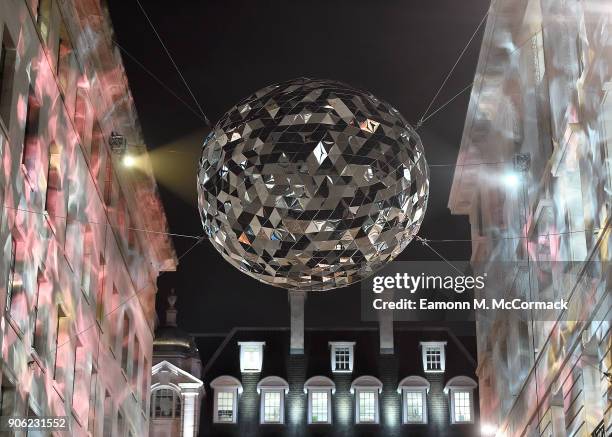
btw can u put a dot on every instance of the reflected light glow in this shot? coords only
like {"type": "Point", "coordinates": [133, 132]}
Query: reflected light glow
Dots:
{"type": "Point", "coordinates": [512, 180]}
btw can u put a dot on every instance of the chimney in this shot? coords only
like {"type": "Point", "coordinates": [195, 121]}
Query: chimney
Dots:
{"type": "Point", "coordinates": [296, 315]}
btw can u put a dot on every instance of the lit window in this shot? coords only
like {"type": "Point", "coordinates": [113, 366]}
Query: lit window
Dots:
{"type": "Point", "coordinates": [226, 391]}
{"type": "Point", "coordinates": [319, 390]}
{"type": "Point", "coordinates": [272, 390]}
{"type": "Point", "coordinates": [366, 389]}
{"type": "Point", "coordinates": [461, 394]}
{"type": "Point", "coordinates": [342, 356]}
{"type": "Point", "coordinates": [414, 398]}
{"type": "Point", "coordinates": [367, 407]}
{"type": "Point", "coordinates": [272, 406]}
{"type": "Point", "coordinates": [462, 406]}
{"type": "Point", "coordinates": [165, 404]}
{"type": "Point", "coordinates": [251, 356]}
{"type": "Point", "coordinates": [434, 359]}
{"type": "Point", "coordinates": [415, 406]}
{"type": "Point", "coordinates": [225, 406]}
{"type": "Point", "coordinates": [319, 407]}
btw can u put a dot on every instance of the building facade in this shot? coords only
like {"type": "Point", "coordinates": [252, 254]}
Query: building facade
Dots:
{"type": "Point", "coordinates": [534, 174]}
{"type": "Point", "coordinates": [77, 272]}
{"type": "Point", "coordinates": [176, 390]}
{"type": "Point", "coordinates": [343, 382]}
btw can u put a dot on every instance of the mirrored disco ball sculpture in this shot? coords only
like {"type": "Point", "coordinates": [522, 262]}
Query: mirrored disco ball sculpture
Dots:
{"type": "Point", "coordinates": [311, 184]}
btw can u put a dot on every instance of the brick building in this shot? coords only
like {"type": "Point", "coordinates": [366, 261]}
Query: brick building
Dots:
{"type": "Point", "coordinates": [342, 383]}
{"type": "Point", "coordinates": [77, 274]}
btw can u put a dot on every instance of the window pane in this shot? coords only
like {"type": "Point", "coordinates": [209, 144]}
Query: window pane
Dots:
{"type": "Point", "coordinates": [433, 359]}
{"type": "Point", "coordinates": [343, 355]}
{"type": "Point", "coordinates": [272, 407]}
{"type": "Point", "coordinates": [225, 406]}
{"type": "Point", "coordinates": [163, 403]}
{"type": "Point", "coordinates": [318, 407]}
{"type": "Point", "coordinates": [463, 410]}
{"type": "Point", "coordinates": [177, 405]}
{"type": "Point", "coordinates": [414, 406]}
{"type": "Point", "coordinates": [367, 407]}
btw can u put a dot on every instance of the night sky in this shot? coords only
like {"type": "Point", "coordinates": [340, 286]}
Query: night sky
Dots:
{"type": "Point", "coordinates": [399, 50]}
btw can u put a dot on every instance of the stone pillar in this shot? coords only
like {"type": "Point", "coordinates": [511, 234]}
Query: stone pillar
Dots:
{"type": "Point", "coordinates": [296, 315]}
{"type": "Point", "coordinates": [385, 326]}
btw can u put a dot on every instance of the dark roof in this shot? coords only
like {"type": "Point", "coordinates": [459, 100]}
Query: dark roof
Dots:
{"type": "Point", "coordinates": [173, 340]}
{"type": "Point", "coordinates": [220, 354]}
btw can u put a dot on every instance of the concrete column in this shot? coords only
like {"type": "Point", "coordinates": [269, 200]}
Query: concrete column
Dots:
{"type": "Point", "coordinates": [296, 315]}
{"type": "Point", "coordinates": [385, 327]}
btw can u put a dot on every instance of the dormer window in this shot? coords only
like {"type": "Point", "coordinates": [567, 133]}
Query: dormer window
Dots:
{"type": "Point", "coordinates": [366, 390]}
{"type": "Point", "coordinates": [272, 390]}
{"type": "Point", "coordinates": [251, 356]}
{"type": "Point", "coordinates": [414, 399]}
{"type": "Point", "coordinates": [342, 356]}
{"type": "Point", "coordinates": [319, 390]}
{"type": "Point", "coordinates": [434, 357]}
{"type": "Point", "coordinates": [460, 390]}
{"type": "Point", "coordinates": [226, 390]}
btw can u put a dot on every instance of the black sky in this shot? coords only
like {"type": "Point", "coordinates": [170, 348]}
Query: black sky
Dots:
{"type": "Point", "coordinates": [399, 50]}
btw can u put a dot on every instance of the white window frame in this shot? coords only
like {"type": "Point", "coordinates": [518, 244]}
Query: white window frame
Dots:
{"type": "Point", "coordinates": [414, 384]}
{"type": "Point", "coordinates": [360, 391]}
{"type": "Point", "coordinates": [225, 384]}
{"type": "Point", "coordinates": [350, 345]}
{"type": "Point", "coordinates": [262, 406]}
{"type": "Point", "coordinates": [421, 392]}
{"type": "Point", "coordinates": [460, 384]}
{"type": "Point", "coordinates": [320, 384]}
{"type": "Point", "coordinates": [470, 393]}
{"type": "Point", "coordinates": [434, 346]}
{"type": "Point", "coordinates": [328, 392]}
{"type": "Point", "coordinates": [250, 347]}
{"type": "Point", "coordinates": [176, 394]}
{"type": "Point", "coordinates": [367, 384]}
{"type": "Point", "coordinates": [234, 393]}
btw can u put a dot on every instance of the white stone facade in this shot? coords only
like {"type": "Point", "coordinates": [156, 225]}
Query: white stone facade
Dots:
{"type": "Point", "coordinates": [77, 281]}
{"type": "Point", "coordinates": [541, 92]}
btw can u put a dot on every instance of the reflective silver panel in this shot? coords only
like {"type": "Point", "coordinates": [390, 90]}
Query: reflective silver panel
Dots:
{"type": "Point", "coordinates": [311, 184]}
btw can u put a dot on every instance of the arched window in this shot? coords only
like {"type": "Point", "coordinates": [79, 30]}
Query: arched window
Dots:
{"type": "Point", "coordinates": [226, 391]}
{"type": "Point", "coordinates": [366, 390]}
{"type": "Point", "coordinates": [414, 399]}
{"type": "Point", "coordinates": [461, 392]}
{"type": "Point", "coordinates": [272, 405]}
{"type": "Point", "coordinates": [319, 390]}
{"type": "Point", "coordinates": [165, 403]}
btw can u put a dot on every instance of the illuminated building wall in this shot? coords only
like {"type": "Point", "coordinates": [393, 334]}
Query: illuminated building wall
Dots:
{"type": "Point", "coordinates": [77, 281]}
{"type": "Point", "coordinates": [541, 97]}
